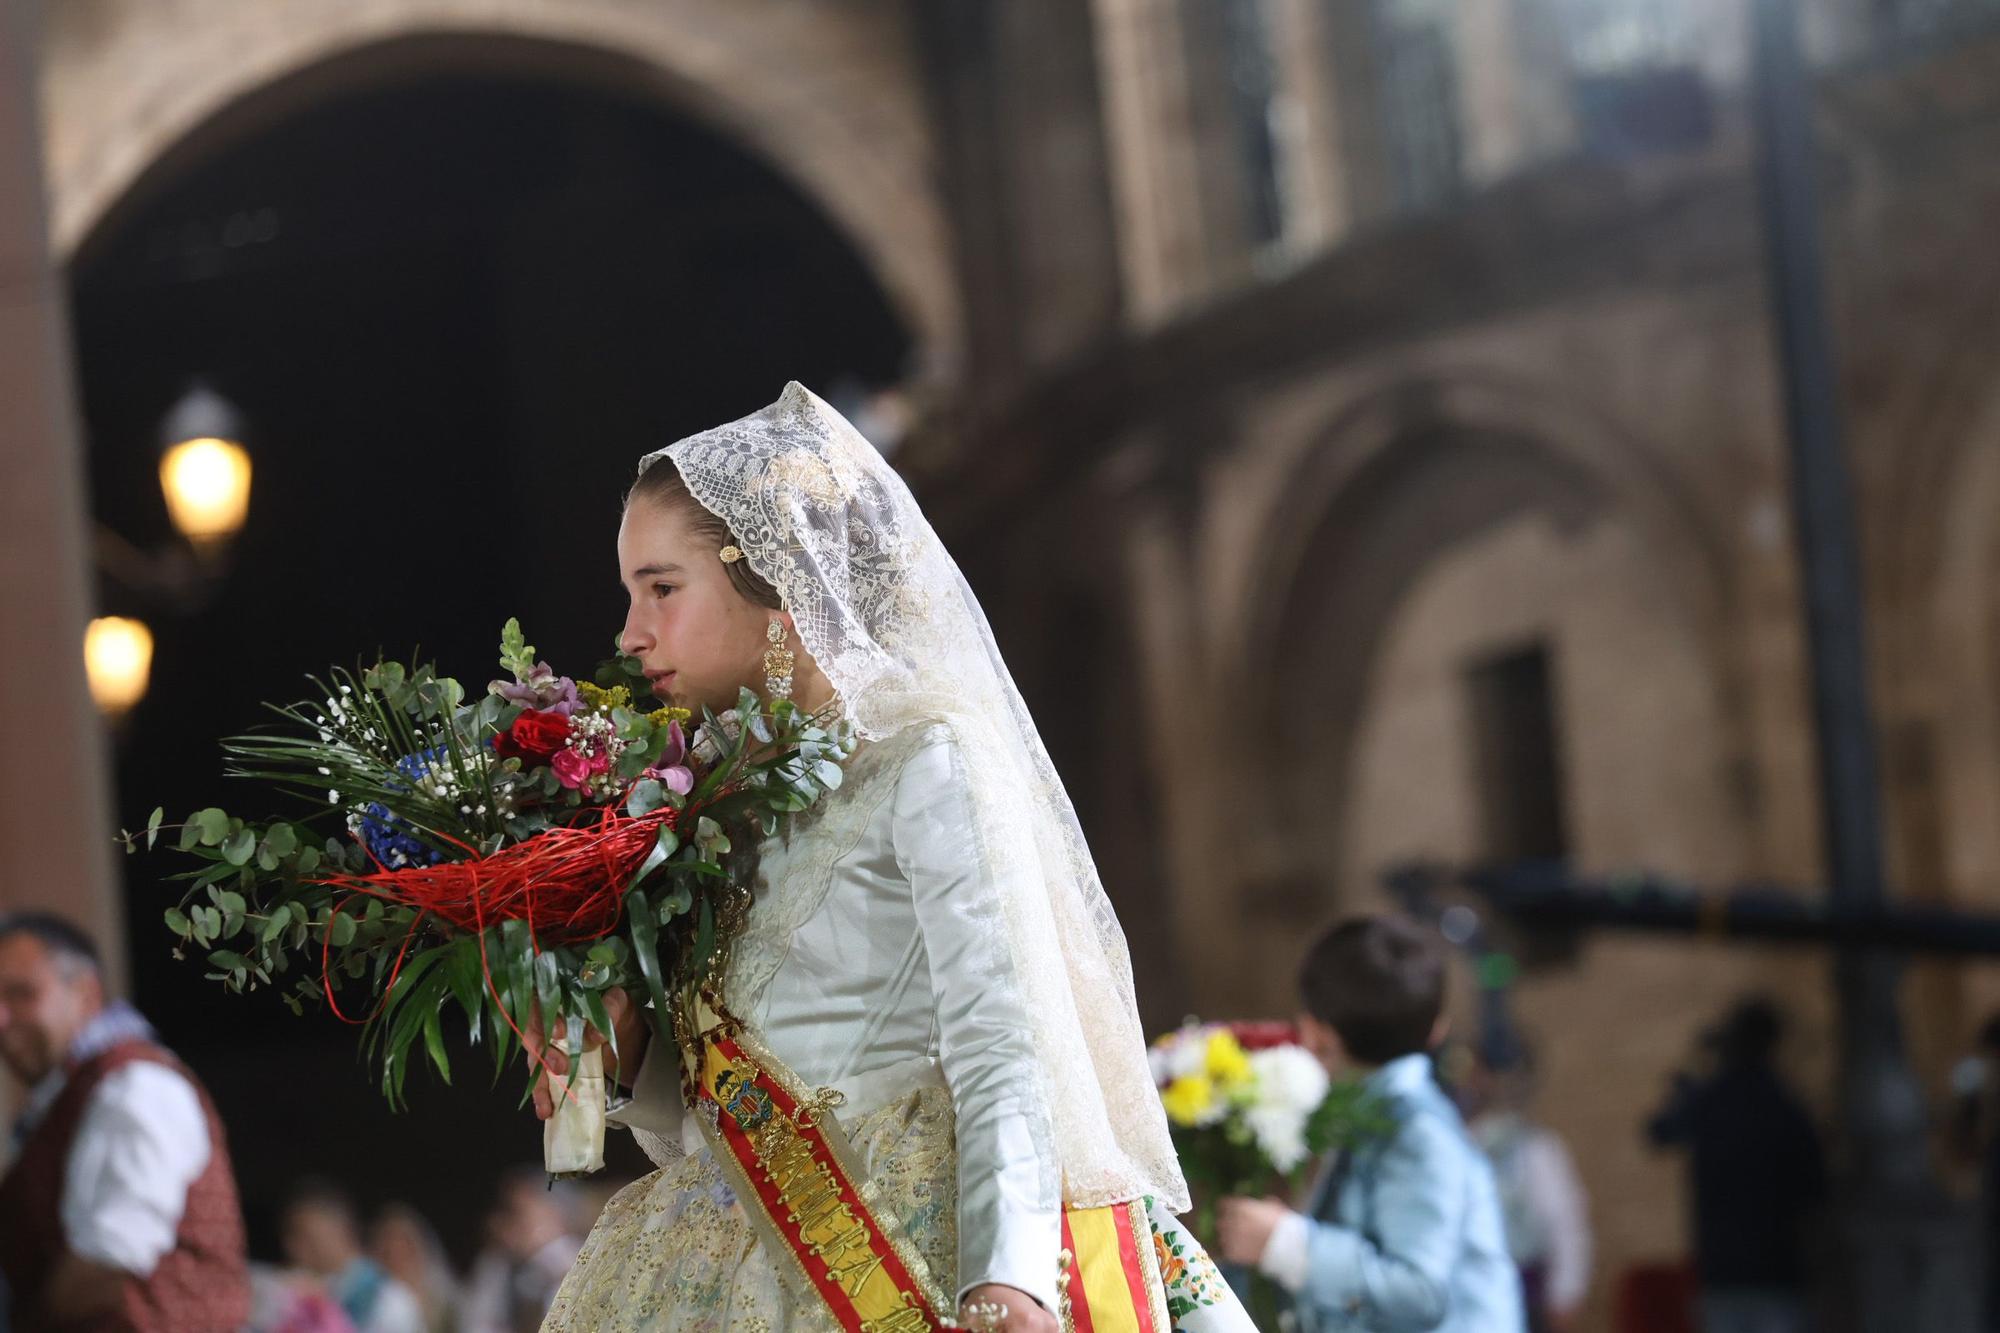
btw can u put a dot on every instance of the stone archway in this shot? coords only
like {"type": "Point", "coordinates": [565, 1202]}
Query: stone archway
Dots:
{"type": "Point", "coordinates": [1378, 417]}
{"type": "Point", "coordinates": [830, 94]}
{"type": "Point", "coordinates": [1401, 473]}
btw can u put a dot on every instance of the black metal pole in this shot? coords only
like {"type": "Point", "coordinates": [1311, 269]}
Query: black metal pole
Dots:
{"type": "Point", "coordinates": [1548, 898]}
{"type": "Point", "coordinates": [1822, 503]}
{"type": "Point", "coordinates": [1881, 1109]}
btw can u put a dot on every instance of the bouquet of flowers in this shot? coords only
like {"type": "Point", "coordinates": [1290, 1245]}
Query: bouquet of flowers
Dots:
{"type": "Point", "coordinates": [1239, 1100]}
{"type": "Point", "coordinates": [517, 855]}
{"type": "Point", "coordinates": [1249, 1109]}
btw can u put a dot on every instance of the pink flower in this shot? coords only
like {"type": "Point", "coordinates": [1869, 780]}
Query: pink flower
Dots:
{"type": "Point", "coordinates": [676, 778]}
{"type": "Point", "coordinates": [572, 769]}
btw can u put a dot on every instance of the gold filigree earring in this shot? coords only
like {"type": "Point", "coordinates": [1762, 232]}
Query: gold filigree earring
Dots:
{"type": "Point", "coordinates": [778, 663]}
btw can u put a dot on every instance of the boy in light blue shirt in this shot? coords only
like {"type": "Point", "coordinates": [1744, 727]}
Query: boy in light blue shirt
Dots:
{"type": "Point", "coordinates": [1402, 1233]}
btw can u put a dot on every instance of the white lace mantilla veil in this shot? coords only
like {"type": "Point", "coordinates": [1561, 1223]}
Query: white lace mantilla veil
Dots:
{"type": "Point", "coordinates": [884, 611]}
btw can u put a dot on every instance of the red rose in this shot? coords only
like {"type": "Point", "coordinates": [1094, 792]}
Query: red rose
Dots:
{"type": "Point", "coordinates": [535, 736]}
{"type": "Point", "coordinates": [1262, 1034]}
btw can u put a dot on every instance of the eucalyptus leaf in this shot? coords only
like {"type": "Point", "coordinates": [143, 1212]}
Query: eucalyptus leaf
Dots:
{"type": "Point", "coordinates": [239, 847]}
{"type": "Point", "coordinates": [647, 796]}
{"type": "Point", "coordinates": [274, 925]}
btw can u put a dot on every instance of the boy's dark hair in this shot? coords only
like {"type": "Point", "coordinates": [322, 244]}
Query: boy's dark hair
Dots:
{"type": "Point", "coordinates": [1377, 981]}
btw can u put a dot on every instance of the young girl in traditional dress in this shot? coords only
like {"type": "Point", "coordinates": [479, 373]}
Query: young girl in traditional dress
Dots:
{"type": "Point", "coordinates": [931, 977]}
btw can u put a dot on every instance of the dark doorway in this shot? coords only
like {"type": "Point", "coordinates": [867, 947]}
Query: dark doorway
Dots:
{"type": "Point", "coordinates": [454, 312]}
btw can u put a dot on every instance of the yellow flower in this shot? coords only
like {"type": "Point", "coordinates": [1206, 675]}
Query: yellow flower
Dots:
{"type": "Point", "coordinates": [660, 717]}
{"type": "Point", "coordinates": [603, 700]}
{"type": "Point", "coordinates": [1189, 1099]}
{"type": "Point", "coordinates": [1225, 1059]}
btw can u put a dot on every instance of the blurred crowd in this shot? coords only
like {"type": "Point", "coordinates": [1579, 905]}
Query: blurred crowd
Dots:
{"type": "Point", "coordinates": [392, 1275]}
{"type": "Point", "coordinates": [118, 1208]}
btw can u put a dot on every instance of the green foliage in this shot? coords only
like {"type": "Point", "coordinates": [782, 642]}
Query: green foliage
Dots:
{"type": "Point", "coordinates": [516, 654]}
{"type": "Point", "coordinates": [264, 904]}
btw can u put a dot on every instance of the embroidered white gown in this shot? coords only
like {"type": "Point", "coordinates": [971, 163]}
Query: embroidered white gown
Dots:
{"type": "Point", "coordinates": [873, 963]}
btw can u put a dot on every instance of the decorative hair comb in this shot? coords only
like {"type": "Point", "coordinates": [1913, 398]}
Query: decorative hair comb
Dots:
{"type": "Point", "coordinates": [731, 554]}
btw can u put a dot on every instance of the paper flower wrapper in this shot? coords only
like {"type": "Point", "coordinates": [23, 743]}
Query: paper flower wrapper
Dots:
{"type": "Point", "coordinates": [573, 1138]}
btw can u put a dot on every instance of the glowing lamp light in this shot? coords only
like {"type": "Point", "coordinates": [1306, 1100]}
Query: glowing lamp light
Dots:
{"type": "Point", "coordinates": [207, 483]}
{"type": "Point", "coordinates": [118, 658]}
{"type": "Point", "coordinates": [204, 471]}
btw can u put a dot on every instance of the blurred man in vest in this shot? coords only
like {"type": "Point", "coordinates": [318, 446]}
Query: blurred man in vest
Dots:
{"type": "Point", "coordinates": [119, 1210]}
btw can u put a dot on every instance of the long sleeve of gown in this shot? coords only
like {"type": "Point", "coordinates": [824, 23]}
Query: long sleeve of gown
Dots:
{"type": "Point", "coordinates": [655, 1109]}
{"type": "Point", "coordinates": [1009, 1181]}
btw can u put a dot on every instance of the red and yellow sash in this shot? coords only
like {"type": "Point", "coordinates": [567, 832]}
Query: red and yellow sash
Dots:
{"type": "Point", "coordinates": [796, 1175]}
{"type": "Point", "coordinates": [1115, 1283]}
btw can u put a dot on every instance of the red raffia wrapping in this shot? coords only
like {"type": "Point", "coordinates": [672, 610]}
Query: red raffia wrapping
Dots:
{"type": "Point", "coordinates": [568, 883]}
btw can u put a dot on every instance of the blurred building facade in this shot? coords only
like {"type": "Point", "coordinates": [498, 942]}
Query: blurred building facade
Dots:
{"type": "Point", "coordinates": [1359, 417]}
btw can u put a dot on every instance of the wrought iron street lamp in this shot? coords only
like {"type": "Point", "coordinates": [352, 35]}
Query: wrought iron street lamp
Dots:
{"type": "Point", "coordinates": [205, 478]}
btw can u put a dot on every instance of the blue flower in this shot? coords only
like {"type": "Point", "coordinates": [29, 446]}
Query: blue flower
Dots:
{"type": "Point", "coordinates": [386, 836]}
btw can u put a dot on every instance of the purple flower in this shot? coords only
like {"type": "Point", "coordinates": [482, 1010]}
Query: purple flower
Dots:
{"type": "Point", "coordinates": [676, 778]}
{"type": "Point", "coordinates": [671, 769]}
{"type": "Point", "coordinates": [542, 689]}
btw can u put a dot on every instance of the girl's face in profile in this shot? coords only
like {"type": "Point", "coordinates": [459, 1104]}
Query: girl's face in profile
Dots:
{"type": "Point", "coordinates": [699, 640]}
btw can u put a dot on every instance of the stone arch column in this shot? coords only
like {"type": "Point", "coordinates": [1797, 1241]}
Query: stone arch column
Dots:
{"type": "Point", "coordinates": [829, 93]}
{"type": "Point", "coordinates": [55, 817]}
{"type": "Point", "coordinates": [1930, 457]}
